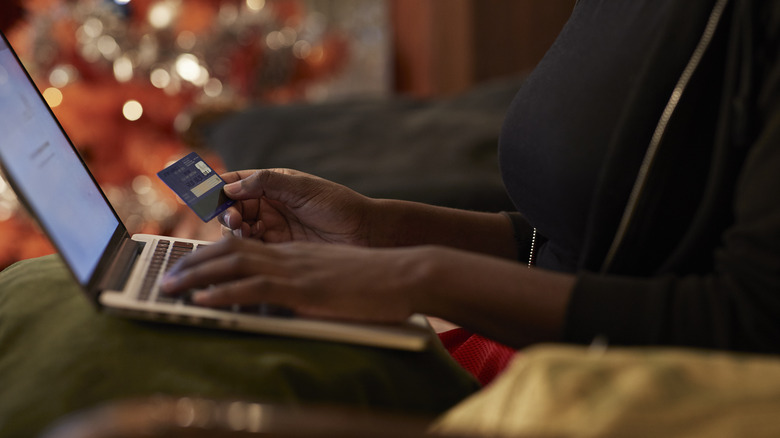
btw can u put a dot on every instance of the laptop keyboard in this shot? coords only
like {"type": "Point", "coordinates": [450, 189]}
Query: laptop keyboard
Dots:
{"type": "Point", "coordinates": [163, 260]}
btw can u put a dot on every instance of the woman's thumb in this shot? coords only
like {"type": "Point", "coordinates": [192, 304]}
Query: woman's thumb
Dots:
{"type": "Point", "coordinates": [258, 184]}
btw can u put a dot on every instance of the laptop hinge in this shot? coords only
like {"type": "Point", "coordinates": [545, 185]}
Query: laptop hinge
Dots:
{"type": "Point", "coordinates": [117, 273]}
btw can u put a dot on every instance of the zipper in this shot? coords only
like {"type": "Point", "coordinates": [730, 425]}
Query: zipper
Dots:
{"type": "Point", "coordinates": [652, 151]}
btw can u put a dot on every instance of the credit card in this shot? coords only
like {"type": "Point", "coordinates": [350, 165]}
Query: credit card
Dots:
{"type": "Point", "coordinates": [198, 185]}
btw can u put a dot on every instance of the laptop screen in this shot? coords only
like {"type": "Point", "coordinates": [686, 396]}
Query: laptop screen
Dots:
{"type": "Point", "coordinates": [48, 174]}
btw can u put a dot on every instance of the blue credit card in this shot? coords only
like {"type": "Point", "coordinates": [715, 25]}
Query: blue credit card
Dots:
{"type": "Point", "coordinates": [198, 185]}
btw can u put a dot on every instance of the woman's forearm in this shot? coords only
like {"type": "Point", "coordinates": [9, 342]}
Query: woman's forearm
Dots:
{"type": "Point", "coordinates": [481, 286]}
{"type": "Point", "coordinates": [500, 299]}
{"type": "Point", "coordinates": [403, 223]}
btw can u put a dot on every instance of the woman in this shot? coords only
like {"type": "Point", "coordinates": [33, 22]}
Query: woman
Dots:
{"type": "Point", "coordinates": [642, 155]}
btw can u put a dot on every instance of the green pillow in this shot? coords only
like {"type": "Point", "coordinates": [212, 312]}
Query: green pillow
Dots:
{"type": "Point", "coordinates": [59, 355]}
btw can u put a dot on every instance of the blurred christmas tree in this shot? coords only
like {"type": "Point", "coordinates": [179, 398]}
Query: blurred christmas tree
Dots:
{"type": "Point", "coordinates": [10, 12]}
{"type": "Point", "coordinates": [125, 76]}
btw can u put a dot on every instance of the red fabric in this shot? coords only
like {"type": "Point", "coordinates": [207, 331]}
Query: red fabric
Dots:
{"type": "Point", "coordinates": [483, 358]}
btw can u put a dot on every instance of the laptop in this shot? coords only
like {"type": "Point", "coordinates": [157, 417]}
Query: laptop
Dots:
{"type": "Point", "coordinates": [117, 271]}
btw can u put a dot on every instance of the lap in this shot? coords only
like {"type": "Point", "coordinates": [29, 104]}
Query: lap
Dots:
{"type": "Point", "coordinates": [59, 355]}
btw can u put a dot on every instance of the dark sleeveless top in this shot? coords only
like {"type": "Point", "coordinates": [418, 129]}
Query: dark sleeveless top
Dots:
{"type": "Point", "coordinates": [559, 128]}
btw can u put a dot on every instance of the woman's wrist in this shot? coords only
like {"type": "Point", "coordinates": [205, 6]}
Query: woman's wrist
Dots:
{"type": "Point", "coordinates": [396, 223]}
{"type": "Point", "coordinates": [498, 298]}
{"type": "Point", "coordinates": [426, 273]}
{"type": "Point", "coordinates": [375, 219]}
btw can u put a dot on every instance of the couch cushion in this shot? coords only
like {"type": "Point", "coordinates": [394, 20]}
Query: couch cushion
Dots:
{"type": "Point", "coordinates": [442, 152]}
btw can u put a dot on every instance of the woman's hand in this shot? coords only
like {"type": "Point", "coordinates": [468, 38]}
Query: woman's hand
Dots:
{"type": "Point", "coordinates": [498, 298]}
{"type": "Point", "coordinates": [283, 205]}
{"type": "Point", "coordinates": [330, 281]}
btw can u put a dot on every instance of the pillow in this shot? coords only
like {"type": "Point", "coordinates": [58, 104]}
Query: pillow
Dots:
{"type": "Point", "coordinates": [59, 355]}
{"type": "Point", "coordinates": [568, 391]}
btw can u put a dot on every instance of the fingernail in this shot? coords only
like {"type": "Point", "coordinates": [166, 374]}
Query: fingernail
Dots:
{"type": "Point", "coordinates": [233, 187]}
{"type": "Point", "coordinates": [167, 282]}
{"type": "Point", "coordinates": [200, 297]}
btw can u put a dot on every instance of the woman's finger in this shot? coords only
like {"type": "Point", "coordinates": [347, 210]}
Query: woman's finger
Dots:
{"type": "Point", "coordinates": [226, 259]}
{"type": "Point", "coordinates": [250, 290]}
